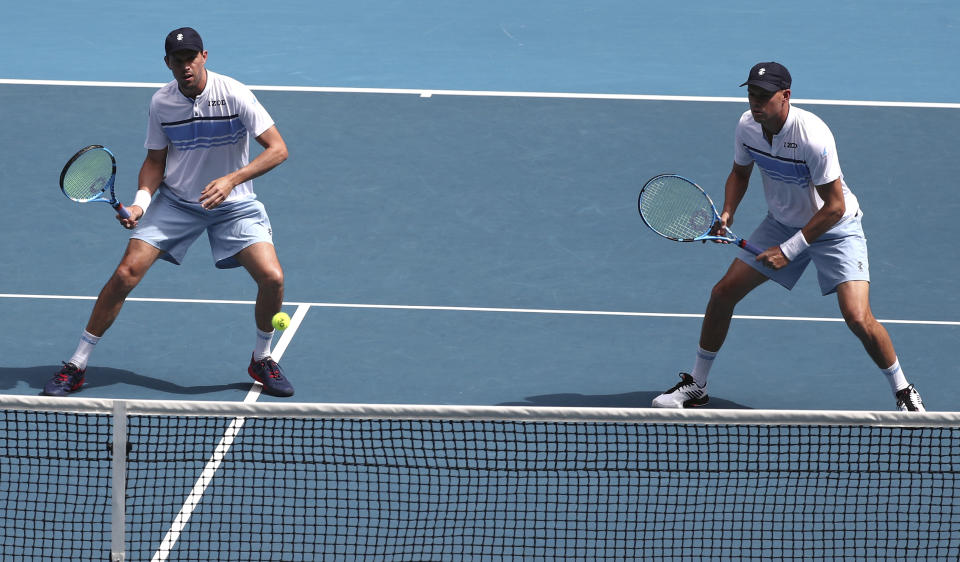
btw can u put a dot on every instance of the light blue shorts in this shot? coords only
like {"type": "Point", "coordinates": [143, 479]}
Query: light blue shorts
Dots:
{"type": "Point", "coordinates": [839, 255]}
{"type": "Point", "coordinates": [172, 225]}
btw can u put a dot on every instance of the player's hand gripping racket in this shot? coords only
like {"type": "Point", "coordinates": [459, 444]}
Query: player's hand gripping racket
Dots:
{"type": "Point", "coordinates": [676, 208]}
{"type": "Point", "coordinates": [89, 175]}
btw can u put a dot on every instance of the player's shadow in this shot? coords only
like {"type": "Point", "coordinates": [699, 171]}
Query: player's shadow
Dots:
{"type": "Point", "coordinates": [97, 377]}
{"type": "Point", "coordinates": [626, 400]}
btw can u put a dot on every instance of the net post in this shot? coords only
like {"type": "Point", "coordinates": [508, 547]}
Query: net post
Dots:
{"type": "Point", "coordinates": [119, 482]}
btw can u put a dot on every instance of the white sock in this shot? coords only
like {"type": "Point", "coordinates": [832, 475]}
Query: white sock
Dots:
{"type": "Point", "coordinates": [701, 366]}
{"type": "Point", "coordinates": [262, 347]}
{"type": "Point", "coordinates": [895, 376]}
{"type": "Point", "coordinates": [84, 349]}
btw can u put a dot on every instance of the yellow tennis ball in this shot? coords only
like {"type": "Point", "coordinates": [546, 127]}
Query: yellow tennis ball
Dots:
{"type": "Point", "coordinates": [281, 321]}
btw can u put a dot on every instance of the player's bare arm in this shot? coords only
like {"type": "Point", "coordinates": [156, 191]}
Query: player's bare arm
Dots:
{"type": "Point", "coordinates": [149, 179]}
{"type": "Point", "coordinates": [822, 221]}
{"type": "Point", "coordinates": [274, 153]}
{"type": "Point", "coordinates": [733, 192]}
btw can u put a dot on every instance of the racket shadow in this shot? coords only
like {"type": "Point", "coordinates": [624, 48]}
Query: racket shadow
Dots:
{"type": "Point", "coordinates": [36, 377]}
{"type": "Point", "coordinates": [640, 399]}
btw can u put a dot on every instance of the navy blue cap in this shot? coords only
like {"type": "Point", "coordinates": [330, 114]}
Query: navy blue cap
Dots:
{"type": "Point", "coordinates": [771, 76]}
{"type": "Point", "coordinates": [183, 39]}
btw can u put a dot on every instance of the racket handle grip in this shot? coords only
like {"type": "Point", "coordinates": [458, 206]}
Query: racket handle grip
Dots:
{"type": "Point", "coordinates": [124, 213]}
{"type": "Point", "coordinates": [750, 247]}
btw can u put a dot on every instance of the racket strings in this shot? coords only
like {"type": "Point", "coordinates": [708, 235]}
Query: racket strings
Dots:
{"type": "Point", "coordinates": [87, 176]}
{"type": "Point", "coordinates": [676, 209]}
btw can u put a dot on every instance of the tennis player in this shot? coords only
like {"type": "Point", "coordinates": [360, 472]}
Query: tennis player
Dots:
{"type": "Point", "coordinates": [813, 216]}
{"type": "Point", "coordinates": [197, 177]}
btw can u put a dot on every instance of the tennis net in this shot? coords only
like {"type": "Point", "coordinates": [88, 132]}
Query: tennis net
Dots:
{"type": "Point", "coordinates": [85, 479]}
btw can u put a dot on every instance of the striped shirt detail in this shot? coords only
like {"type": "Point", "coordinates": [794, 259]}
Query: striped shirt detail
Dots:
{"type": "Point", "coordinates": [205, 132]}
{"type": "Point", "coordinates": [786, 170]}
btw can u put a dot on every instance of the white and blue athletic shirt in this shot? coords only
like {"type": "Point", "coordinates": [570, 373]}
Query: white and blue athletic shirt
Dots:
{"type": "Point", "coordinates": [802, 155]}
{"type": "Point", "coordinates": [206, 138]}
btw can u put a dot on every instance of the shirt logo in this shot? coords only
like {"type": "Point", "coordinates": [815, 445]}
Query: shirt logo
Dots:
{"type": "Point", "coordinates": [789, 145]}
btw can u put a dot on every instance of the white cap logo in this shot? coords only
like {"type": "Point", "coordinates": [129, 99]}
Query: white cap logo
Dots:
{"type": "Point", "coordinates": [760, 72]}
{"type": "Point", "coordinates": [179, 36]}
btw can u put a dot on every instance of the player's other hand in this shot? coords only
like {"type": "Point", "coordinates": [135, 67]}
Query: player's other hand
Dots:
{"type": "Point", "coordinates": [216, 192]}
{"type": "Point", "coordinates": [773, 258]}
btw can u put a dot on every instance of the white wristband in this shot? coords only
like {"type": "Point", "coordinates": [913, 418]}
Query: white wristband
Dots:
{"type": "Point", "coordinates": [142, 199]}
{"type": "Point", "coordinates": [794, 245]}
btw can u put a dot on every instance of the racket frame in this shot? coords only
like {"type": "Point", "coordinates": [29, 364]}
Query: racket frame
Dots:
{"type": "Point", "coordinates": [729, 238]}
{"type": "Point", "coordinates": [108, 185]}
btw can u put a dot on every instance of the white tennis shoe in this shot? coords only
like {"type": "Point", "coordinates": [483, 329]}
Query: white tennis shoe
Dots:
{"type": "Point", "coordinates": [686, 394]}
{"type": "Point", "coordinates": [908, 400]}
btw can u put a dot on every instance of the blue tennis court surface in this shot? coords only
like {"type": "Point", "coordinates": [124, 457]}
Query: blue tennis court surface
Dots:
{"type": "Point", "coordinates": [514, 215]}
{"type": "Point", "coordinates": [457, 220]}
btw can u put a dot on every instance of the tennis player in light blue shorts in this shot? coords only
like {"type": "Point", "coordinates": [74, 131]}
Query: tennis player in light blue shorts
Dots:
{"type": "Point", "coordinates": [813, 216]}
{"type": "Point", "coordinates": [197, 176]}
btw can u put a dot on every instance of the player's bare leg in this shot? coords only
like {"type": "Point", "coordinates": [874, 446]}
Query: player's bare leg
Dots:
{"type": "Point", "coordinates": [137, 260]}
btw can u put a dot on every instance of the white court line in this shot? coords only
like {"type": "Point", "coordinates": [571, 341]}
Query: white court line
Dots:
{"type": "Point", "coordinates": [489, 309]}
{"type": "Point", "coordinates": [426, 93]}
{"type": "Point", "coordinates": [209, 471]}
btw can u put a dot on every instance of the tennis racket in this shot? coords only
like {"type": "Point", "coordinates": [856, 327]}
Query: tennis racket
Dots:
{"type": "Point", "coordinates": [89, 175]}
{"type": "Point", "coordinates": [678, 209]}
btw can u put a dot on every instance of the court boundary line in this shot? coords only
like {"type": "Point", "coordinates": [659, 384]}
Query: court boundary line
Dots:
{"type": "Point", "coordinates": [428, 93]}
{"type": "Point", "coordinates": [193, 499]}
{"type": "Point", "coordinates": [440, 308]}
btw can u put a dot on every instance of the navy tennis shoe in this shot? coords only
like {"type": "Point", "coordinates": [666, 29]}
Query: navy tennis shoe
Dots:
{"type": "Point", "coordinates": [268, 373]}
{"type": "Point", "coordinates": [68, 379]}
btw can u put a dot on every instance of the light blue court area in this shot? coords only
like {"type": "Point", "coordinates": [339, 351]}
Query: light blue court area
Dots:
{"type": "Point", "coordinates": [882, 50]}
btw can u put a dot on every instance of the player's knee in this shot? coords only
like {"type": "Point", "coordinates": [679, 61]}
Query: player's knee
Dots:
{"type": "Point", "coordinates": [724, 293]}
{"type": "Point", "coordinates": [271, 279]}
{"type": "Point", "coordinates": [859, 323]}
{"type": "Point", "coordinates": [125, 278]}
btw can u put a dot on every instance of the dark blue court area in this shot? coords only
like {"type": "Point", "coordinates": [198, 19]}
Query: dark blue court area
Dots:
{"type": "Point", "coordinates": [479, 250]}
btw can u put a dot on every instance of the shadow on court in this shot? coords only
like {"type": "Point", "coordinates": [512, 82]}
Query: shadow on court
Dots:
{"type": "Point", "coordinates": [97, 377]}
{"type": "Point", "coordinates": [641, 399]}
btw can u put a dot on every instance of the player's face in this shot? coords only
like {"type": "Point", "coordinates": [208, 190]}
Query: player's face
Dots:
{"type": "Point", "coordinates": [188, 70]}
{"type": "Point", "coordinates": [768, 108]}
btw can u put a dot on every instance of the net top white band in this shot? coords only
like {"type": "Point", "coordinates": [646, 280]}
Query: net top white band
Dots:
{"type": "Point", "coordinates": [484, 413]}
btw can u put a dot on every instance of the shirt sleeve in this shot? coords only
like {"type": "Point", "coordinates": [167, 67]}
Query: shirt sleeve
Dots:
{"type": "Point", "coordinates": [821, 156]}
{"type": "Point", "coordinates": [252, 114]}
{"type": "Point", "coordinates": [741, 156]}
{"type": "Point", "coordinates": [156, 137]}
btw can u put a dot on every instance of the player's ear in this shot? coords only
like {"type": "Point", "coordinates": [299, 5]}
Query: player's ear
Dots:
{"type": "Point", "coordinates": [786, 94]}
